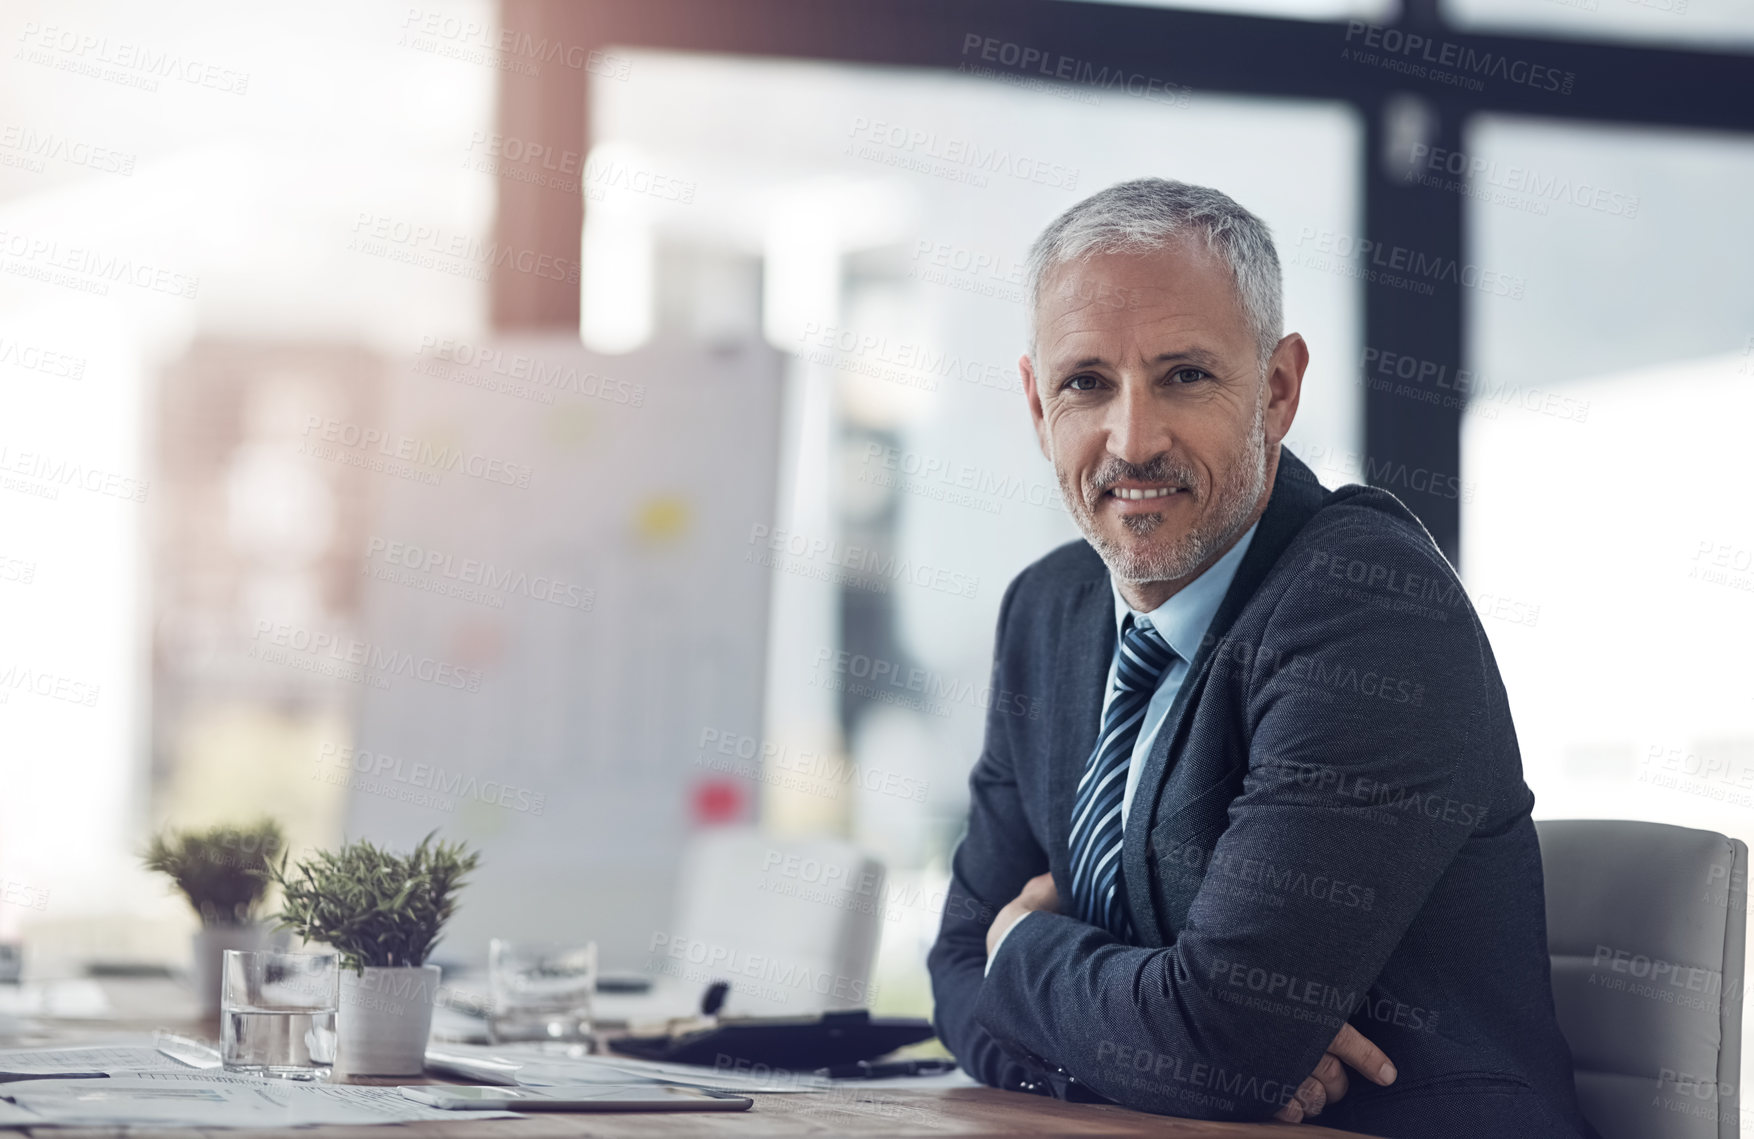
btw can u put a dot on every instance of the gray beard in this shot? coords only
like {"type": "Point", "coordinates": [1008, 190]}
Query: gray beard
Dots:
{"type": "Point", "coordinates": [1233, 501]}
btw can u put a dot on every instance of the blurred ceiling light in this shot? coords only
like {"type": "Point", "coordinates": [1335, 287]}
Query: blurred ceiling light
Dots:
{"type": "Point", "coordinates": [618, 307]}
{"type": "Point", "coordinates": [800, 283]}
{"type": "Point", "coordinates": [809, 228]}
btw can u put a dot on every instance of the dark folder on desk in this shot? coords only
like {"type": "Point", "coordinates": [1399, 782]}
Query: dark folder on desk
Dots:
{"type": "Point", "coordinates": [796, 1043]}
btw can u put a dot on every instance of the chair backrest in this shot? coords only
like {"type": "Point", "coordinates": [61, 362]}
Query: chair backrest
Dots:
{"type": "Point", "coordinates": [1646, 925]}
{"type": "Point", "coordinates": [791, 924]}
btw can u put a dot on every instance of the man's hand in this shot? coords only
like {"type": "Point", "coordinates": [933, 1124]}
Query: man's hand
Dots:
{"type": "Point", "coordinates": [1038, 894]}
{"type": "Point", "coordinates": [1328, 1082]}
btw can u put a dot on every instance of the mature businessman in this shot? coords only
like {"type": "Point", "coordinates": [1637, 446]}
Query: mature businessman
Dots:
{"type": "Point", "coordinates": [1274, 817]}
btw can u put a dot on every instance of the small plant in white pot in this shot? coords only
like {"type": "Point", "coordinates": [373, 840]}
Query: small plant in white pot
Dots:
{"type": "Point", "coordinates": [382, 913]}
{"type": "Point", "coordinates": [223, 871]}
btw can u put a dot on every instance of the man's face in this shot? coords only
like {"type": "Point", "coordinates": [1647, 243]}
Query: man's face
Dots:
{"type": "Point", "coordinates": [1149, 399]}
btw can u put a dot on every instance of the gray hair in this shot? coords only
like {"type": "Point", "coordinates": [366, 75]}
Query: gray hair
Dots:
{"type": "Point", "coordinates": [1145, 215]}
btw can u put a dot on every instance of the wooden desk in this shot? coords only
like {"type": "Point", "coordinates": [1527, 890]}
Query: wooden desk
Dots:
{"type": "Point", "coordinates": [853, 1109]}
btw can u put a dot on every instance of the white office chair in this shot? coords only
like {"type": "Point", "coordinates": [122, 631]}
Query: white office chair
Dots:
{"type": "Point", "coordinates": [1646, 926]}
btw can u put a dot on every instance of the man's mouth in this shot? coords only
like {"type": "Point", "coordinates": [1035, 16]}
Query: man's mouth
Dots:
{"type": "Point", "coordinates": [1142, 493]}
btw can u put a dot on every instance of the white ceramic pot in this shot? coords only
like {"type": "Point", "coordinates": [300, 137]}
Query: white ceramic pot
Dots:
{"type": "Point", "coordinates": [386, 1016]}
{"type": "Point", "coordinates": [211, 942]}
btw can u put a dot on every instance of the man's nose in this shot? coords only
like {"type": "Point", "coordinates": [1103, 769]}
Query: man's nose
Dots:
{"type": "Point", "coordinates": [1138, 427]}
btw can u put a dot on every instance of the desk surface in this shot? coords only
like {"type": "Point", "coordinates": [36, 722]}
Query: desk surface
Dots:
{"type": "Point", "coordinates": [854, 1109]}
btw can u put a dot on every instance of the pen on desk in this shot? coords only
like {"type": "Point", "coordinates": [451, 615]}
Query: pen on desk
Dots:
{"type": "Point", "coordinates": [867, 1070]}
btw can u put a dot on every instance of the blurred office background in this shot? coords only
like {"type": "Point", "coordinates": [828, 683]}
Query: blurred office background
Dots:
{"type": "Point", "coordinates": [454, 416]}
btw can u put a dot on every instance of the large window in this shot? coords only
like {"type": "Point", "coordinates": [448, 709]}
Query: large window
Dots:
{"type": "Point", "coordinates": [1607, 538]}
{"type": "Point", "coordinates": [889, 212]}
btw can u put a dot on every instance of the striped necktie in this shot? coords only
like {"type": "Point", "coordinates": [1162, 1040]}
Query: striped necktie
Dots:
{"type": "Point", "coordinates": [1141, 659]}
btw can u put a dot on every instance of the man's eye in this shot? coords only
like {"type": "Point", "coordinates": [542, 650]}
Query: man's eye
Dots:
{"type": "Point", "coordinates": [1189, 375]}
{"type": "Point", "coordinates": [1073, 384]}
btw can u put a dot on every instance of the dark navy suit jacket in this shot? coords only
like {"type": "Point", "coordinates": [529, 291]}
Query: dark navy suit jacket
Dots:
{"type": "Point", "coordinates": [1331, 826]}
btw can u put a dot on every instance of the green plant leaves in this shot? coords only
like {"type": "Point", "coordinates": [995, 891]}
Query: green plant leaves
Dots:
{"type": "Point", "coordinates": [222, 870]}
{"type": "Point", "coordinates": [371, 906]}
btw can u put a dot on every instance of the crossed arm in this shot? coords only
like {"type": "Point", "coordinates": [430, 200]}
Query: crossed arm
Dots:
{"type": "Point", "coordinates": [1300, 904]}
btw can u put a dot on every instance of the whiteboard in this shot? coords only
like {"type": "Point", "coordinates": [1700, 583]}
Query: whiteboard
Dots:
{"type": "Point", "coordinates": [554, 621]}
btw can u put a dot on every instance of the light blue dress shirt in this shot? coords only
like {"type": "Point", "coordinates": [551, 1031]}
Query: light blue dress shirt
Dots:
{"type": "Point", "coordinates": [1183, 621]}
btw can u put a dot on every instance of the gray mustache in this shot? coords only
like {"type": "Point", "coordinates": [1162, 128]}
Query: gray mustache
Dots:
{"type": "Point", "coordinates": [1157, 470]}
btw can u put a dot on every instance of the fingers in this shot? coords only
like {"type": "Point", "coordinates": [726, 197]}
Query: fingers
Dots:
{"type": "Point", "coordinates": [1039, 893]}
{"type": "Point", "coordinates": [1331, 1074]}
{"type": "Point", "coordinates": [1364, 1057]}
{"type": "Point", "coordinates": [1308, 1102]}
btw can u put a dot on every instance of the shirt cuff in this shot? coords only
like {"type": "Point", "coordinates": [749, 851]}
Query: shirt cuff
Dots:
{"type": "Point", "coordinates": [1012, 928]}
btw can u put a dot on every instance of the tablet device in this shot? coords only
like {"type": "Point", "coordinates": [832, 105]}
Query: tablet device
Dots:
{"type": "Point", "coordinates": [583, 1097]}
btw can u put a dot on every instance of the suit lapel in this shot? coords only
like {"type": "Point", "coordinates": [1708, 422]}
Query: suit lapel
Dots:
{"type": "Point", "coordinates": [1087, 633]}
{"type": "Point", "coordinates": [1296, 496]}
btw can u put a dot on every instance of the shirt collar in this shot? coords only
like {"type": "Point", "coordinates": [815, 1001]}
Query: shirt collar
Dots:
{"type": "Point", "coordinates": [1184, 618]}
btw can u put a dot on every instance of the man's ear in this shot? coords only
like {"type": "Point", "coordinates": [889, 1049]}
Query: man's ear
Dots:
{"type": "Point", "coordinates": [1285, 385]}
{"type": "Point", "coordinates": [1033, 398]}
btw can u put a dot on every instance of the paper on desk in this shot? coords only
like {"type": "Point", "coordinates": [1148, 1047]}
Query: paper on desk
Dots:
{"type": "Point", "coordinates": [546, 1065]}
{"type": "Point", "coordinates": [12, 1115]}
{"type": "Point", "coordinates": [83, 1060]}
{"type": "Point", "coordinates": [204, 1099]}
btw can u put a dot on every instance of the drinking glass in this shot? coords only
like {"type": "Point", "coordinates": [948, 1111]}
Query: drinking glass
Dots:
{"type": "Point", "coordinates": [277, 1013]}
{"type": "Point", "coordinates": [540, 991]}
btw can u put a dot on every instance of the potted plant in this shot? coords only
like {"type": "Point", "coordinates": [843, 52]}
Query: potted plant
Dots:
{"type": "Point", "coordinates": [222, 870]}
{"type": "Point", "coordinates": [381, 913]}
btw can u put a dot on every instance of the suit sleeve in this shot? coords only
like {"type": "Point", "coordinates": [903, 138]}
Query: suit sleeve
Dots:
{"type": "Point", "coordinates": [996, 856]}
{"type": "Point", "coordinates": [1307, 891]}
